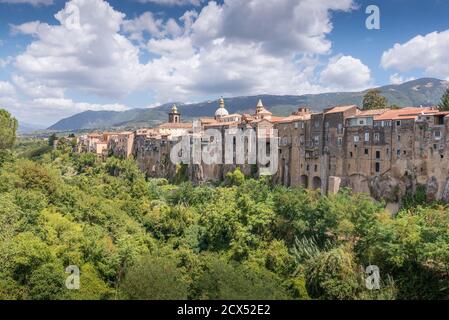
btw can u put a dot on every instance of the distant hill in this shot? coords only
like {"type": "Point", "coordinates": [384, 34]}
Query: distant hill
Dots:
{"type": "Point", "coordinates": [424, 91]}
{"type": "Point", "coordinates": [28, 127]}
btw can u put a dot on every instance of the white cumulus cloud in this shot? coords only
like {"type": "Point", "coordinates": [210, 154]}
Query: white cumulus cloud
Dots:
{"type": "Point", "coordinates": [346, 73]}
{"type": "Point", "coordinates": [174, 2]}
{"type": "Point", "coordinates": [428, 53]}
{"type": "Point", "coordinates": [231, 48]}
{"type": "Point", "coordinates": [85, 51]}
{"type": "Point", "coordinates": [6, 89]}
{"type": "Point", "coordinates": [280, 26]}
{"type": "Point", "coordinates": [398, 79]}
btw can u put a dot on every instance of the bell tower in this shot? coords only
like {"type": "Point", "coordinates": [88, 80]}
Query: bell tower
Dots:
{"type": "Point", "coordinates": [174, 116]}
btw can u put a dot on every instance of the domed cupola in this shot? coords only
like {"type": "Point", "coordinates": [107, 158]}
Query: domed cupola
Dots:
{"type": "Point", "coordinates": [221, 111]}
{"type": "Point", "coordinates": [174, 116]}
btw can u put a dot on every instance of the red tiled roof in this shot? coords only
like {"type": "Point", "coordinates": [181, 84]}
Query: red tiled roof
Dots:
{"type": "Point", "coordinates": [294, 118]}
{"type": "Point", "coordinates": [340, 109]}
{"type": "Point", "coordinates": [404, 113]}
{"type": "Point", "coordinates": [221, 124]}
{"type": "Point", "coordinates": [373, 112]}
{"type": "Point", "coordinates": [181, 125]}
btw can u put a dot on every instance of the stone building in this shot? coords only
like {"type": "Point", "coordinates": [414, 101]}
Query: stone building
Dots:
{"type": "Point", "coordinates": [121, 144]}
{"type": "Point", "coordinates": [385, 152]}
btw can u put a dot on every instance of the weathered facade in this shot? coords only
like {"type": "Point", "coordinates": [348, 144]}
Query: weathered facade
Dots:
{"type": "Point", "coordinates": [385, 153]}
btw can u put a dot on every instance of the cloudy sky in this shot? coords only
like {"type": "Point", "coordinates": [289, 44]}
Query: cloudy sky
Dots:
{"type": "Point", "coordinates": [61, 57]}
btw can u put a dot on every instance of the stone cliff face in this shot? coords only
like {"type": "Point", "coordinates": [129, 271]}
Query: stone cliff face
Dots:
{"type": "Point", "coordinates": [432, 189]}
{"type": "Point", "coordinates": [387, 188]}
{"type": "Point", "coordinates": [385, 153]}
{"type": "Point", "coordinates": [445, 196]}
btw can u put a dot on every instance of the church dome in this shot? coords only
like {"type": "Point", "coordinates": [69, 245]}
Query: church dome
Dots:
{"type": "Point", "coordinates": [221, 111]}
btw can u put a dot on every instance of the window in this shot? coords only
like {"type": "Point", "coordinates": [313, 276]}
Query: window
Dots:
{"type": "Point", "coordinates": [399, 138]}
{"type": "Point", "coordinates": [398, 123]}
{"type": "Point", "coordinates": [388, 152]}
{"type": "Point", "coordinates": [326, 124]}
{"type": "Point", "coordinates": [339, 142]}
{"type": "Point", "coordinates": [317, 124]}
{"type": "Point", "coordinates": [361, 122]}
{"type": "Point", "coordinates": [398, 152]}
{"type": "Point", "coordinates": [377, 154]}
{"type": "Point", "coordinates": [439, 120]}
{"type": "Point", "coordinates": [366, 136]}
{"type": "Point", "coordinates": [356, 138]}
{"type": "Point", "coordinates": [350, 154]}
{"type": "Point", "coordinates": [316, 140]}
{"type": "Point", "coordinates": [340, 128]}
{"type": "Point", "coordinates": [437, 135]}
{"type": "Point", "coordinates": [376, 137]}
{"type": "Point", "coordinates": [308, 167]}
{"type": "Point", "coordinates": [315, 168]}
{"type": "Point", "coordinates": [377, 167]}
{"type": "Point", "coordinates": [366, 151]}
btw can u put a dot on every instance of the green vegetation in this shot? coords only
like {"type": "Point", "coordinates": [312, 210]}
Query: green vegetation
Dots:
{"type": "Point", "coordinates": [8, 128]}
{"type": "Point", "coordinates": [374, 100]}
{"type": "Point", "coordinates": [134, 238]}
{"type": "Point", "coordinates": [444, 104]}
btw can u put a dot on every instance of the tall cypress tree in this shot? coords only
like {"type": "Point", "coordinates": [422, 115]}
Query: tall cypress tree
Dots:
{"type": "Point", "coordinates": [444, 104]}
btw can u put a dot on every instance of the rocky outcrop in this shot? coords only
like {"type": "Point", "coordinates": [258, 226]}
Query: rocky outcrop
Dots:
{"type": "Point", "coordinates": [445, 196]}
{"type": "Point", "coordinates": [386, 188]}
{"type": "Point", "coordinates": [432, 189]}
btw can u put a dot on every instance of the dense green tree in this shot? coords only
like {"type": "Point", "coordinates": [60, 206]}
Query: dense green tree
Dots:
{"type": "Point", "coordinates": [444, 104]}
{"type": "Point", "coordinates": [154, 278]}
{"type": "Point", "coordinates": [235, 178]}
{"type": "Point", "coordinates": [8, 128]}
{"type": "Point", "coordinates": [141, 238]}
{"type": "Point", "coordinates": [227, 280]}
{"type": "Point", "coordinates": [374, 100]}
{"type": "Point", "coordinates": [51, 139]}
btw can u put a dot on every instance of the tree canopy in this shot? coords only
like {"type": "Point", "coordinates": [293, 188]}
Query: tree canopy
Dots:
{"type": "Point", "coordinates": [444, 104]}
{"type": "Point", "coordinates": [374, 100]}
{"type": "Point", "coordinates": [8, 128]}
{"type": "Point", "coordinates": [138, 238]}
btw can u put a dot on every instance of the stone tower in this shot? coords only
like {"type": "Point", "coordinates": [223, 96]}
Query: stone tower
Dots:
{"type": "Point", "coordinates": [174, 116]}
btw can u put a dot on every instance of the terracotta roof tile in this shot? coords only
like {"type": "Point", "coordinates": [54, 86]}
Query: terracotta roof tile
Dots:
{"type": "Point", "coordinates": [404, 113]}
{"type": "Point", "coordinates": [340, 109]}
{"type": "Point", "coordinates": [182, 125]}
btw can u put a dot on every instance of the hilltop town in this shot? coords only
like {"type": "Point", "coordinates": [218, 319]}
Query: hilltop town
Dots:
{"type": "Point", "coordinates": [384, 152]}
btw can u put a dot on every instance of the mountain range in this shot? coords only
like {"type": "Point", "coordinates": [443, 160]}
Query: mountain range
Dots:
{"type": "Point", "coordinates": [424, 91]}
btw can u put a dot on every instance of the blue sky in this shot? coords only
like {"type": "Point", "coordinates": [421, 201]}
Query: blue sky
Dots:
{"type": "Point", "coordinates": [61, 57]}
